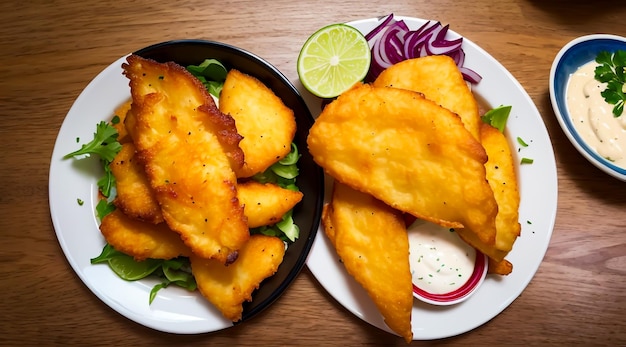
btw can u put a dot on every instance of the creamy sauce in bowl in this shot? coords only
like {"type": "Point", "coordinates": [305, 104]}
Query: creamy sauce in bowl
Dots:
{"type": "Point", "coordinates": [445, 269]}
{"type": "Point", "coordinates": [592, 116]}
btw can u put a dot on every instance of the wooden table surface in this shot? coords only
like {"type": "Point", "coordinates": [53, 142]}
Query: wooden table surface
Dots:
{"type": "Point", "coordinates": [50, 50]}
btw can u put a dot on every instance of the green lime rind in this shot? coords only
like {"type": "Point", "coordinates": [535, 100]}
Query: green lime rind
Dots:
{"type": "Point", "coordinates": [333, 60]}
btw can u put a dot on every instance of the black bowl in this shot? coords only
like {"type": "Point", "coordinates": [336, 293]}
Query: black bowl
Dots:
{"type": "Point", "coordinates": [311, 179]}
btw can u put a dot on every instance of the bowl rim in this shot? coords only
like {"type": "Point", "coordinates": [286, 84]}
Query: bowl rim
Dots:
{"type": "Point", "coordinates": [560, 108]}
{"type": "Point", "coordinates": [462, 293]}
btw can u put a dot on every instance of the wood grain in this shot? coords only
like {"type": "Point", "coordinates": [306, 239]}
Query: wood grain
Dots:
{"type": "Point", "coordinates": [50, 50]}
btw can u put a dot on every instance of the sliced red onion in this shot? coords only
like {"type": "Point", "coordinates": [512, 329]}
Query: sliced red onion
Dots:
{"type": "Point", "coordinates": [392, 41]}
{"type": "Point", "coordinates": [470, 75]}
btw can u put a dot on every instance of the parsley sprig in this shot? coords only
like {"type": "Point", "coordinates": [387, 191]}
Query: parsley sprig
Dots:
{"type": "Point", "coordinates": [106, 146]}
{"type": "Point", "coordinates": [612, 71]}
{"type": "Point", "coordinates": [104, 143]}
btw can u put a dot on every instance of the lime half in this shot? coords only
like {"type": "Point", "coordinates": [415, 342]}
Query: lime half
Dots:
{"type": "Point", "coordinates": [333, 60]}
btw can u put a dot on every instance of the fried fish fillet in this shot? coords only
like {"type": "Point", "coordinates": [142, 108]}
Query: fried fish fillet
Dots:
{"type": "Point", "coordinates": [503, 267]}
{"type": "Point", "coordinates": [500, 170]}
{"type": "Point", "coordinates": [134, 197]}
{"type": "Point", "coordinates": [188, 148]}
{"type": "Point", "coordinates": [227, 287]}
{"type": "Point", "coordinates": [439, 79]}
{"type": "Point", "coordinates": [503, 181]}
{"type": "Point", "coordinates": [371, 239]}
{"type": "Point", "coordinates": [266, 124]}
{"type": "Point", "coordinates": [120, 115]}
{"type": "Point", "coordinates": [265, 204]}
{"type": "Point", "coordinates": [409, 152]}
{"type": "Point", "coordinates": [141, 240]}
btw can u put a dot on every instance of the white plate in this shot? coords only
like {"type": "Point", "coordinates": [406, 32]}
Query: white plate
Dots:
{"type": "Point", "coordinates": [175, 310]}
{"type": "Point", "coordinates": [538, 189]}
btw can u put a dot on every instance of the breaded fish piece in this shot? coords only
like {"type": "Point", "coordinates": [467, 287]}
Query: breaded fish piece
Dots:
{"type": "Point", "coordinates": [265, 204]}
{"type": "Point", "coordinates": [371, 239]}
{"type": "Point", "coordinates": [227, 287]}
{"type": "Point", "coordinates": [503, 181]}
{"type": "Point", "coordinates": [188, 149]}
{"type": "Point", "coordinates": [503, 267]}
{"type": "Point", "coordinates": [134, 196]}
{"type": "Point", "coordinates": [409, 152]}
{"type": "Point", "coordinates": [120, 113]}
{"type": "Point", "coordinates": [440, 80]}
{"type": "Point", "coordinates": [266, 124]}
{"type": "Point", "coordinates": [500, 169]}
{"type": "Point", "coordinates": [141, 240]}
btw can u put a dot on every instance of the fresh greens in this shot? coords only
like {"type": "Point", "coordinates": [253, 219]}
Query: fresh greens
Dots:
{"type": "Point", "coordinates": [211, 73]}
{"type": "Point", "coordinates": [497, 117]}
{"type": "Point", "coordinates": [174, 271]}
{"type": "Point", "coordinates": [283, 173]}
{"type": "Point", "coordinates": [104, 143]}
{"type": "Point", "coordinates": [521, 142]}
{"type": "Point", "coordinates": [106, 146]}
{"type": "Point", "coordinates": [612, 71]}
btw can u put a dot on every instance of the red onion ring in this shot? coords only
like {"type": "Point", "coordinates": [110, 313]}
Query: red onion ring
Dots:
{"type": "Point", "coordinates": [392, 41]}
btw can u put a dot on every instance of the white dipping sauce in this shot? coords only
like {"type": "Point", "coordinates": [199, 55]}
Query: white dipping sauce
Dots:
{"type": "Point", "coordinates": [593, 117]}
{"type": "Point", "coordinates": [440, 261]}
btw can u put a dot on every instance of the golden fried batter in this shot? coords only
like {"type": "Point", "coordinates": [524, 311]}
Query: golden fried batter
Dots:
{"type": "Point", "coordinates": [120, 113]}
{"type": "Point", "coordinates": [227, 287]}
{"type": "Point", "coordinates": [409, 152]}
{"type": "Point", "coordinates": [134, 197]}
{"type": "Point", "coordinates": [438, 78]}
{"type": "Point", "coordinates": [266, 124]}
{"type": "Point", "coordinates": [188, 149]}
{"type": "Point", "coordinates": [265, 204]}
{"type": "Point", "coordinates": [500, 171]}
{"type": "Point", "coordinates": [371, 239]}
{"type": "Point", "coordinates": [503, 180]}
{"type": "Point", "coordinates": [503, 267]}
{"type": "Point", "coordinates": [141, 240]}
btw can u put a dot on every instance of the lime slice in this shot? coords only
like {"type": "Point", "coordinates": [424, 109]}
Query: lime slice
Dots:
{"type": "Point", "coordinates": [129, 269]}
{"type": "Point", "coordinates": [333, 60]}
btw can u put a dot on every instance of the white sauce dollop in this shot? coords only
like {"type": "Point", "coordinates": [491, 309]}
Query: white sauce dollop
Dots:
{"type": "Point", "coordinates": [593, 117]}
{"type": "Point", "coordinates": [440, 261]}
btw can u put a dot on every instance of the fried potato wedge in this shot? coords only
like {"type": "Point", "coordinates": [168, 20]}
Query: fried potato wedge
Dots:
{"type": "Point", "coordinates": [227, 287]}
{"type": "Point", "coordinates": [134, 197]}
{"type": "Point", "coordinates": [439, 79]}
{"type": "Point", "coordinates": [409, 152]}
{"type": "Point", "coordinates": [266, 124]}
{"type": "Point", "coordinates": [371, 239]}
{"type": "Point", "coordinates": [265, 204]}
{"type": "Point", "coordinates": [141, 240]}
{"type": "Point", "coordinates": [188, 148]}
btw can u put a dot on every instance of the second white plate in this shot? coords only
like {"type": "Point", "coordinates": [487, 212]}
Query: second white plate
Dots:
{"type": "Point", "coordinates": [537, 211]}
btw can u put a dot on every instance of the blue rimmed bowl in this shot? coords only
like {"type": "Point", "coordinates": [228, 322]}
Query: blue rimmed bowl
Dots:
{"type": "Point", "coordinates": [573, 55]}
